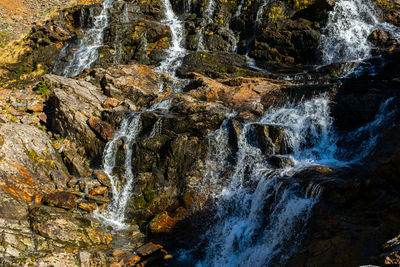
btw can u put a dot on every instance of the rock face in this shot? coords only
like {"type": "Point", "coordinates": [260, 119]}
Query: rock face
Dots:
{"type": "Point", "coordinates": [54, 129]}
{"type": "Point", "coordinates": [30, 167]}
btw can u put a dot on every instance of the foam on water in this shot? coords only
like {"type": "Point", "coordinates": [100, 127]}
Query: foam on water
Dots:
{"type": "Point", "coordinates": [346, 33]}
{"type": "Point", "coordinates": [261, 215]}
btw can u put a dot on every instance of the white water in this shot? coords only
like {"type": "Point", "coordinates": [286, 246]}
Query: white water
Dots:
{"type": "Point", "coordinates": [187, 5]}
{"type": "Point", "coordinates": [86, 53]}
{"type": "Point", "coordinates": [250, 62]}
{"type": "Point", "coordinates": [208, 16]}
{"type": "Point", "coordinates": [114, 214]}
{"type": "Point", "coordinates": [261, 215]}
{"type": "Point", "coordinates": [176, 50]}
{"type": "Point", "coordinates": [347, 30]}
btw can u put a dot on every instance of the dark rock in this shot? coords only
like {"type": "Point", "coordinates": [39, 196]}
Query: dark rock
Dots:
{"type": "Point", "coordinates": [280, 162]}
{"type": "Point", "coordinates": [148, 249]}
{"type": "Point", "coordinates": [270, 139]}
{"type": "Point", "coordinates": [65, 200]}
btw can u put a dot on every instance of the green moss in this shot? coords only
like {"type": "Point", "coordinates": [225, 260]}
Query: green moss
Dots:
{"type": "Point", "coordinates": [43, 89]}
{"type": "Point", "coordinates": [149, 195]}
{"type": "Point", "coordinates": [139, 202]}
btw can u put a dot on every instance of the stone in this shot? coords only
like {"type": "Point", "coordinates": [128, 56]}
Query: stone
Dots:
{"type": "Point", "coordinates": [378, 37]}
{"type": "Point", "coordinates": [72, 182]}
{"type": "Point", "coordinates": [101, 190]}
{"type": "Point", "coordinates": [87, 206]}
{"type": "Point", "coordinates": [280, 162]}
{"type": "Point", "coordinates": [111, 103]}
{"type": "Point", "coordinates": [67, 228]}
{"type": "Point", "coordinates": [162, 223]}
{"type": "Point", "coordinates": [102, 128]}
{"type": "Point", "coordinates": [29, 168]}
{"type": "Point", "coordinates": [148, 249]}
{"type": "Point", "coordinates": [61, 199]}
{"type": "Point", "coordinates": [270, 139]}
{"type": "Point", "coordinates": [102, 177]}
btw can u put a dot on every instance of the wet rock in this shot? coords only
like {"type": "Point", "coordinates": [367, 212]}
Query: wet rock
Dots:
{"type": "Point", "coordinates": [280, 162]}
{"type": "Point", "coordinates": [270, 139]}
{"type": "Point", "coordinates": [378, 37]}
{"type": "Point", "coordinates": [63, 199]}
{"type": "Point", "coordinates": [102, 128]}
{"type": "Point", "coordinates": [216, 65]}
{"type": "Point", "coordinates": [148, 249]}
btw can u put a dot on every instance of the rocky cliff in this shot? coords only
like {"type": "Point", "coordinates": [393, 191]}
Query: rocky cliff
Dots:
{"type": "Point", "coordinates": [131, 131]}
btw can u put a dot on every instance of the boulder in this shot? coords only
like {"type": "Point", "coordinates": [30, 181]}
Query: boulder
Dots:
{"type": "Point", "coordinates": [61, 199]}
{"type": "Point", "coordinates": [102, 128]}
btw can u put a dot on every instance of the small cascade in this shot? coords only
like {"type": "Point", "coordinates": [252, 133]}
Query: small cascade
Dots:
{"type": "Point", "coordinates": [114, 214]}
{"type": "Point", "coordinates": [86, 53]}
{"type": "Point", "coordinates": [187, 5]}
{"type": "Point", "coordinates": [125, 138]}
{"type": "Point", "coordinates": [250, 62]}
{"type": "Point", "coordinates": [347, 30]}
{"type": "Point", "coordinates": [208, 16]}
{"type": "Point", "coordinates": [261, 214]}
{"type": "Point", "coordinates": [239, 9]}
{"type": "Point", "coordinates": [217, 157]}
{"type": "Point", "coordinates": [176, 50]}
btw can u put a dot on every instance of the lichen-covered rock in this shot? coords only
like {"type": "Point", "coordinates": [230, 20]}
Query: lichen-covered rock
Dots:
{"type": "Point", "coordinates": [65, 229]}
{"type": "Point", "coordinates": [30, 168]}
{"type": "Point", "coordinates": [74, 103]}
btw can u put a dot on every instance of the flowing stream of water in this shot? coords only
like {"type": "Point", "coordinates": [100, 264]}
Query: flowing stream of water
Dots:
{"type": "Point", "coordinates": [347, 30]}
{"type": "Point", "coordinates": [261, 215]}
{"type": "Point", "coordinates": [251, 62]}
{"type": "Point", "coordinates": [176, 50]}
{"type": "Point", "coordinates": [208, 16]}
{"type": "Point", "coordinates": [86, 53]}
{"type": "Point", "coordinates": [124, 139]}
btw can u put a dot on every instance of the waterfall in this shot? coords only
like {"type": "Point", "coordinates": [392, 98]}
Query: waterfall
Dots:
{"type": "Point", "coordinates": [250, 62]}
{"type": "Point", "coordinates": [346, 33]}
{"type": "Point", "coordinates": [114, 214]}
{"type": "Point", "coordinates": [261, 214]}
{"type": "Point", "coordinates": [176, 50]}
{"type": "Point", "coordinates": [86, 53]}
{"type": "Point", "coordinates": [208, 15]}
{"type": "Point", "coordinates": [187, 5]}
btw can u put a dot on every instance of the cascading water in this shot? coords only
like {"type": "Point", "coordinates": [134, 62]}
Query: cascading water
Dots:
{"type": "Point", "coordinates": [86, 53]}
{"type": "Point", "coordinates": [176, 50]}
{"type": "Point", "coordinates": [114, 214]}
{"type": "Point", "coordinates": [208, 16]}
{"type": "Point", "coordinates": [250, 62]}
{"type": "Point", "coordinates": [261, 214]}
{"type": "Point", "coordinates": [347, 30]}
